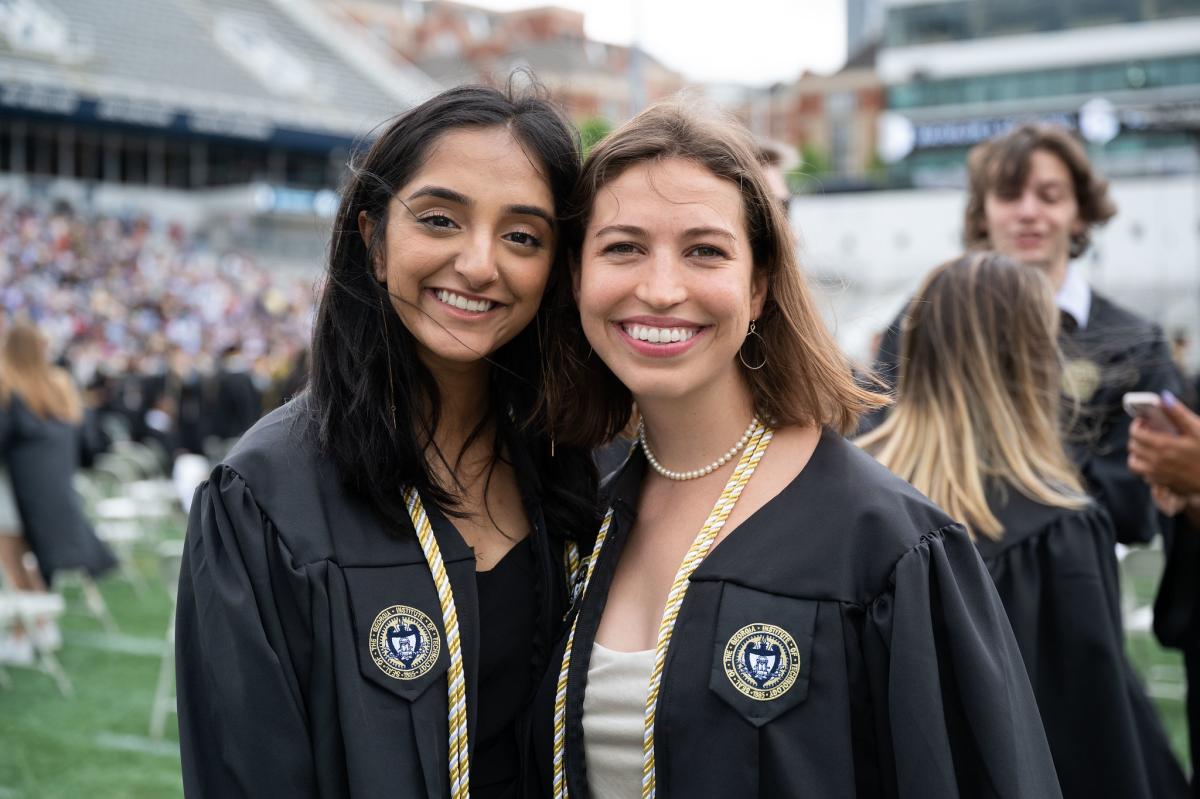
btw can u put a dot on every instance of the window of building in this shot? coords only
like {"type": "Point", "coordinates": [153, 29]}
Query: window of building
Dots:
{"type": "Point", "coordinates": [1005, 17]}
{"type": "Point", "coordinates": [935, 22]}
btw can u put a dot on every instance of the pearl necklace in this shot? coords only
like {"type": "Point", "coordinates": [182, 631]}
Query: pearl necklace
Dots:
{"type": "Point", "coordinates": [702, 471]}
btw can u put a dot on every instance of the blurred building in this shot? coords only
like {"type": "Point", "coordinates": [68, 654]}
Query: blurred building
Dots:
{"type": "Point", "coordinates": [830, 119]}
{"type": "Point", "coordinates": [457, 43]}
{"type": "Point", "coordinates": [864, 25]}
{"type": "Point", "coordinates": [1125, 73]}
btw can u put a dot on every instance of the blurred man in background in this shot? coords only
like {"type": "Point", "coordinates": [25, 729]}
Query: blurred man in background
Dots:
{"type": "Point", "coordinates": [1033, 195]}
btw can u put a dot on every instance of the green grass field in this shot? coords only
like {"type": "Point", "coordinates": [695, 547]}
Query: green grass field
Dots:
{"type": "Point", "coordinates": [97, 745]}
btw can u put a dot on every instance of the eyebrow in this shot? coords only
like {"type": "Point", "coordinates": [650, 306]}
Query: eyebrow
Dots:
{"type": "Point", "coordinates": [452, 196]}
{"type": "Point", "coordinates": [693, 232]}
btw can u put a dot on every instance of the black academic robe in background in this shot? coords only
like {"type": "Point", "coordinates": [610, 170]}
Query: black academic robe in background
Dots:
{"type": "Point", "coordinates": [42, 456]}
{"type": "Point", "coordinates": [1117, 351]}
{"type": "Point", "coordinates": [1177, 618]}
{"type": "Point", "coordinates": [909, 681]}
{"type": "Point", "coordinates": [283, 574]}
{"type": "Point", "coordinates": [1056, 571]}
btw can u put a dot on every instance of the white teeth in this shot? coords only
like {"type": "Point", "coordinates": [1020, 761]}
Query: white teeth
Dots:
{"type": "Point", "coordinates": [660, 335]}
{"type": "Point", "coordinates": [462, 303]}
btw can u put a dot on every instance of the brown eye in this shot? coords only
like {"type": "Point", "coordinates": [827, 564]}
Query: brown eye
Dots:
{"type": "Point", "coordinates": [438, 222]}
{"type": "Point", "coordinates": [524, 239]}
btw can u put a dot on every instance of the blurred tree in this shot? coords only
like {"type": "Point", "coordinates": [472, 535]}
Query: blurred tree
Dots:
{"type": "Point", "coordinates": [814, 165]}
{"type": "Point", "coordinates": [592, 131]}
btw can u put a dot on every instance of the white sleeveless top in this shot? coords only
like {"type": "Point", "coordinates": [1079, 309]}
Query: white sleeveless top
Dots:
{"type": "Point", "coordinates": [614, 709]}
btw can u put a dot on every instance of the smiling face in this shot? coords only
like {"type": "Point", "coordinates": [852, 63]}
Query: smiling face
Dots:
{"type": "Point", "coordinates": [666, 285]}
{"type": "Point", "coordinates": [1035, 225]}
{"type": "Point", "coordinates": [468, 246]}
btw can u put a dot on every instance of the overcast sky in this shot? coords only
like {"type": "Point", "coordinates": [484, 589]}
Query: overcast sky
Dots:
{"type": "Point", "coordinates": [745, 41]}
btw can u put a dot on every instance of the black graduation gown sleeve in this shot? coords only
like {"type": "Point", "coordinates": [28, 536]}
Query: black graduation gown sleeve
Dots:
{"type": "Point", "coordinates": [1131, 355]}
{"type": "Point", "coordinates": [1060, 589]}
{"type": "Point", "coordinates": [242, 724]}
{"type": "Point", "coordinates": [953, 708]}
{"type": "Point", "coordinates": [1177, 605]}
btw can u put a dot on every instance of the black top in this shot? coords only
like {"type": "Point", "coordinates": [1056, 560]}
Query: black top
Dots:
{"type": "Point", "coordinates": [1056, 572]}
{"type": "Point", "coordinates": [507, 609]}
{"type": "Point", "coordinates": [42, 456]}
{"type": "Point", "coordinates": [879, 651]}
{"type": "Point", "coordinates": [297, 673]}
{"type": "Point", "coordinates": [1120, 352]}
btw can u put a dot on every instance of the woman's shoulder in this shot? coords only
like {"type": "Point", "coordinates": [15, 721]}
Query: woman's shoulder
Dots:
{"type": "Point", "coordinates": [1027, 521]}
{"type": "Point", "coordinates": [283, 442]}
{"type": "Point", "coordinates": [275, 477]}
{"type": "Point", "coordinates": [871, 500]}
{"type": "Point", "coordinates": [837, 531]}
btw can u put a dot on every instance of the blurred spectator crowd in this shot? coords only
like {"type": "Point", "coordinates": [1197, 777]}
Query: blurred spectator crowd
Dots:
{"type": "Point", "coordinates": [174, 344]}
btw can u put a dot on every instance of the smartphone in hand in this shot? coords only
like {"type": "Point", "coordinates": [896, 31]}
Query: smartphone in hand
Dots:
{"type": "Point", "coordinates": [1147, 405]}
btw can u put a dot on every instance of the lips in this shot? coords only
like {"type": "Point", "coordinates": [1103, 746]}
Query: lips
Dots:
{"type": "Point", "coordinates": [464, 302]}
{"type": "Point", "coordinates": [659, 337]}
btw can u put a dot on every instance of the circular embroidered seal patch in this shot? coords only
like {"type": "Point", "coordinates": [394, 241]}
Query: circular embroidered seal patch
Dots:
{"type": "Point", "coordinates": [1080, 379]}
{"type": "Point", "coordinates": [762, 661]}
{"type": "Point", "coordinates": [404, 642]}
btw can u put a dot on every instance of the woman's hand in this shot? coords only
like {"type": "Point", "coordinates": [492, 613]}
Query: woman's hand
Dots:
{"type": "Point", "coordinates": [1167, 501]}
{"type": "Point", "coordinates": [1165, 459]}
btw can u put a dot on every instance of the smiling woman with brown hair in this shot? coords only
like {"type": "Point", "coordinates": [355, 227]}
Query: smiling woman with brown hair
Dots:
{"type": "Point", "coordinates": [767, 612]}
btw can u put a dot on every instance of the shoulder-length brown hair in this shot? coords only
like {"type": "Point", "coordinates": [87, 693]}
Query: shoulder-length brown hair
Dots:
{"type": "Point", "coordinates": [806, 379]}
{"type": "Point", "coordinates": [26, 371]}
{"type": "Point", "coordinates": [979, 392]}
{"type": "Point", "coordinates": [1001, 165]}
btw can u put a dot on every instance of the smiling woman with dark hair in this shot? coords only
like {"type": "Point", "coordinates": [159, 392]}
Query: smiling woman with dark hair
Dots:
{"type": "Point", "coordinates": [374, 575]}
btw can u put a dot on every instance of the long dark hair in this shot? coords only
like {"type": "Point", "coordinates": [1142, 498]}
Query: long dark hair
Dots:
{"type": "Point", "coordinates": [379, 435]}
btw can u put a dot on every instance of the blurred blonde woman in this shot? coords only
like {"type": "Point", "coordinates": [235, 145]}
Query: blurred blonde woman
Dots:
{"type": "Point", "coordinates": [40, 414]}
{"type": "Point", "coordinates": [976, 428]}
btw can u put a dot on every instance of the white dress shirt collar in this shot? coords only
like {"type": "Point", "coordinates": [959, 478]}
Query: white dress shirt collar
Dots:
{"type": "Point", "coordinates": [1075, 296]}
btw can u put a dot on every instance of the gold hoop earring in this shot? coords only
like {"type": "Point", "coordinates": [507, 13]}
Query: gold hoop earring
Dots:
{"type": "Point", "coordinates": [742, 358]}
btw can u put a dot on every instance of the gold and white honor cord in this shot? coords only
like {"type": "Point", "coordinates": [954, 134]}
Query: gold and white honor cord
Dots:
{"type": "Point", "coordinates": [755, 449]}
{"type": "Point", "coordinates": [560, 693]}
{"type": "Point", "coordinates": [456, 684]}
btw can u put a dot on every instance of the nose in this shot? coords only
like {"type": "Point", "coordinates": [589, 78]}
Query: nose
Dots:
{"type": "Point", "coordinates": [476, 264]}
{"type": "Point", "coordinates": [1028, 204]}
{"type": "Point", "coordinates": [661, 283]}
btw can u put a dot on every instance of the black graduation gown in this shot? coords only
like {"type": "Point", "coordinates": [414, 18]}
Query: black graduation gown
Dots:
{"type": "Point", "coordinates": [283, 575]}
{"type": "Point", "coordinates": [1056, 572]}
{"type": "Point", "coordinates": [909, 682]}
{"type": "Point", "coordinates": [1177, 618]}
{"type": "Point", "coordinates": [1129, 354]}
{"type": "Point", "coordinates": [42, 456]}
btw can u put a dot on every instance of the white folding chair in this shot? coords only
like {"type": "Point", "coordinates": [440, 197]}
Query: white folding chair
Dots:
{"type": "Point", "coordinates": [170, 557]}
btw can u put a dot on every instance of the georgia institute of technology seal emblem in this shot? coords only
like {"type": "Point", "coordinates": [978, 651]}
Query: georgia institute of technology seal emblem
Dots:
{"type": "Point", "coordinates": [404, 642]}
{"type": "Point", "coordinates": [762, 661]}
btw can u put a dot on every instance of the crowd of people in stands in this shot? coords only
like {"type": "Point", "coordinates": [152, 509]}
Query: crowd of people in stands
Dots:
{"type": "Point", "coordinates": [169, 340]}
